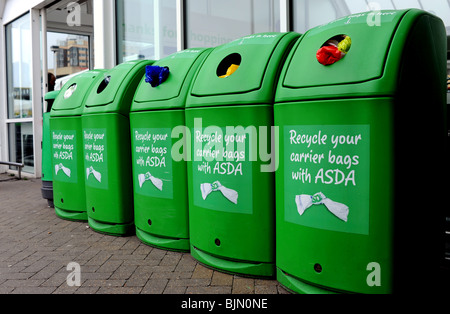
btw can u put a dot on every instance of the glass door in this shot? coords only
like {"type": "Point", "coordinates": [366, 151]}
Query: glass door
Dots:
{"type": "Point", "coordinates": [20, 92]}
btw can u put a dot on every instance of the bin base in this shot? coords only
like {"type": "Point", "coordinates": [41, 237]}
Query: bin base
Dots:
{"type": "Point", "coordinates": [71, 215]}
{"type": "Point", "coordinates": [119, 230]}
{"type": "Point", "coordinates": [171, 244]}
{"type": "Point", "coordinates": [47, 192]}
{"type": "Point", "coordinates": [297, 286]}
{"type": "Point", "coordinates": [243, 268]}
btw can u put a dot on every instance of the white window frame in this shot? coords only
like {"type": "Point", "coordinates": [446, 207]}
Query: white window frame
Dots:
{"type": "Point", "coordinates": [36, 120]}
{"type": "Point", "coordinates": [3, 98]}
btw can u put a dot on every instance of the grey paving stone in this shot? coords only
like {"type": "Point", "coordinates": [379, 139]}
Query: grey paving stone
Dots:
{"type": "Point", "coordinates": [36, 246]}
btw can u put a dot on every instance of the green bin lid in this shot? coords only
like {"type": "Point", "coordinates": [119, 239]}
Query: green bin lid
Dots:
{"type": "Point", "coordinates": [114, 83]}
{"type": "Point", "coordinates": [51, 95]}
{"type": "Point", "coordinates": [258, 57]}
{"type": "Point", "coordinates": [364, 61]}
{"type": "Point", "coordinates": [171, 93]}
{"type": "Point", "coordinates": [372, 62]}
{"type": "Point", "coordinates": [70, 99]}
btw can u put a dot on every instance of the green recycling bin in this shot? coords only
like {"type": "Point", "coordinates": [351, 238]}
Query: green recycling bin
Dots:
{"type": "Point", "coordinates": [229, 114]}
{"type": "Point", "coordinates": [160, 174]}
{"type": "Point", "coordinates": [107, 149]}
{"type": "Point", "coordinates": [47, 172]}
{"type": "Point", "coordinates": [360, 111]}
{"type": "Point", "coordinates": [66, 145]}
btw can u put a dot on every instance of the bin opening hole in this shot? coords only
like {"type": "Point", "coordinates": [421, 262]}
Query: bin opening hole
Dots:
{"type": "Point", "coordinates": [149, 222]}
{"type": "Point", "coordinates": [217, 242]}
{"type": "Point", "coordinates": [334, 49]}
{"type": "Point", "coordinates": [229, 65]}
{"type": "Point", "coordinates": [62, 200]}
{"type": "Point", "coordinates": [104, 84]}
{"type": "Point", "coordinates": [93, 209]}
{"type": "Point", "coordinates": [318, 268]}
{"type": "Point", "coordinates": [69, 92]}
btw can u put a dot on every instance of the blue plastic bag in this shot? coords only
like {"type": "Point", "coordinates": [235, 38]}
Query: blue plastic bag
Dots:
{"type": "Point", "coordinates": [156, 75]}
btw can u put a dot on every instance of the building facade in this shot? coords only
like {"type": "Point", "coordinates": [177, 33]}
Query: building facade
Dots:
{"type": "Point", "coordinates": [65, 37]}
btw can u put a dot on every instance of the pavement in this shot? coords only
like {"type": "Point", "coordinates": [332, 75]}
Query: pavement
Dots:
{"type": "Point", "coordinates": [36, 248]}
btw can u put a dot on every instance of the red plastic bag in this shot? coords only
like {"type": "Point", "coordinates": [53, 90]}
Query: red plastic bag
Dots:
{"type": "Point", "coordinates": [334, 49]}
{"type": "Point", "coordinates": [329, 54]}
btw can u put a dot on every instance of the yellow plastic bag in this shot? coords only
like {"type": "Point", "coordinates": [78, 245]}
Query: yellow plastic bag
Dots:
{"type": "Point", "coordinates": [230, 70]}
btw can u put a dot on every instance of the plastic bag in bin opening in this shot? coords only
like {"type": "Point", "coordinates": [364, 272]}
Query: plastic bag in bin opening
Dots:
{"type": "Point", "coordinates": [230, 70]}
{"type": "Point", "coordinates": [156, 75]}
{"type": "Point", "coordinates": [334, 50]}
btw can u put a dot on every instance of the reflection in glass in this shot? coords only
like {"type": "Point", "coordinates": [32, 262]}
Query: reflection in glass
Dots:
{"type": "Point", "coordinates": [146, 29]}
{"type": "Point", "coordinates": [20, 137]}
{"type": "Point", "coordinates": [18, 65]}
{"type": "Point", "coordinates": [405, 4]}
{"type": "Point", "coordinates": [67, 53]}
{"type": "Point", "coordinates": [310, 13]}
{"type": "Point", "coordinates": [440, 8]}
{"type": "Point", "coordinates": [214, 22]}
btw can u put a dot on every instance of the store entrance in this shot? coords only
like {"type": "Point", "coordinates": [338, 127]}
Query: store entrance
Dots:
{"type": "Point", "coordinates": [69, 41]}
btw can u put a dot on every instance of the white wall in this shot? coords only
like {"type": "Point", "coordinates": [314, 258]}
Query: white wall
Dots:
{"type": "Point", "coordinates": [11, 10]}
{"type": "Point", "coordinates": [15, 8]}
{"type": "Point", "coordinates": [2, 7]}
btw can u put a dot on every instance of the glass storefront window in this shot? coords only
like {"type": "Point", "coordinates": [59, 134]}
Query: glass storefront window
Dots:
{"type": "Point", "coordinates": [18, 65]}
{"type": "Point", "coordinates": [146, 29]}
{"type": "Point", "coordinates": [214, 22]}
{"type": "Point", "coordinates": [71, 53]}
{"type": "Point", "coordinates": [20, 136]}
{"type": "Point", "coordinates": [439, 8]}
{"type": "Point", "coordinates": [405, 4]}
{"type": "Point", "coordinates": [311, 13]}
{"type": "Point", "coordinates": [67, 54]}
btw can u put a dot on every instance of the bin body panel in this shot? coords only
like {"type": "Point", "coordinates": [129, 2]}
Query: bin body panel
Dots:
{"type": "Point", "coordinates": [343, 149]}
{"type": "Point", "coordinates": [68, 183]}
{"type": "Point", "coordinates": [229, 115]}
{"type": "Point", "coordinates": [159, 212]}
{"type": "Point", "coordinates": [67, 146]}
{"type": "Point", "coordinates": [403, 109]}
{"type": "Point", "coordinates": [160, 175]}
{"type": "Point", "coordinates": [47, 173]}
{"type": "Point", "coordinates": [107, 149]}
{"type": "Point", "coordinates": [241, 231]}
{"type": "Point", "coordinates": [107, 168]}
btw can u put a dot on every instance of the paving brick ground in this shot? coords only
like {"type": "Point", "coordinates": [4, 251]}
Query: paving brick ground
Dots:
{"type": "Point", "coordinates": [36, 247]}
